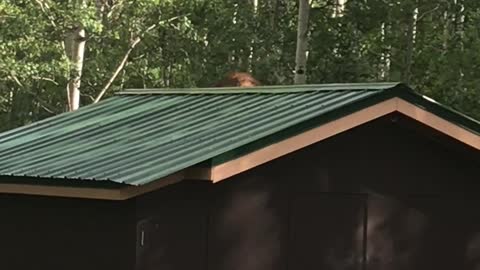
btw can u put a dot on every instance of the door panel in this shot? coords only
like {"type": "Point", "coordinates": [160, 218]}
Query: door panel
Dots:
{"type": "Point", "coordinates": [326, 232]}
{"type": "Point", "coordinates": [172, 240]}
{"type": "Point", "coordinates": [423, 232]}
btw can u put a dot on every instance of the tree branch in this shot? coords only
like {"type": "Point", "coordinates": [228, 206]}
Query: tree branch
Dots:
{"type": "Point", "coordinates": [118, 69]}
{"type": "Point", "coordinates": [427, 12]}
{"type": "Point", "coordinates": [92, 98]}
{"type": "Point", "coordinates": [44, 7]}
{"type": "Point", "coordinates": [122, 63]}
{"type": "Point", "coordinates": [45, 79]}
{"type": "Point", "coordinates": [40, 101]}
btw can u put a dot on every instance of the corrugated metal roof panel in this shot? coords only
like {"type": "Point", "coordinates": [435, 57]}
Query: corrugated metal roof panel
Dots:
{"type": "Point", "coordinates": [143, 135]}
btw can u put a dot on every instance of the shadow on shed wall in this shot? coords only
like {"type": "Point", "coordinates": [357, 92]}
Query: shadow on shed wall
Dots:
{"type": "Point", "coordinates": [56, 233]}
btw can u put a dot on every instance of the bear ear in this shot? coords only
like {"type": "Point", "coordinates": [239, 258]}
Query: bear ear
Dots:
{"type": "Point", "coordinates": [238, 79]}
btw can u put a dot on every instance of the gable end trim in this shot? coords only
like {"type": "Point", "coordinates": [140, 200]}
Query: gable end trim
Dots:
{"type": "Point", "coordinates": [271, 152]}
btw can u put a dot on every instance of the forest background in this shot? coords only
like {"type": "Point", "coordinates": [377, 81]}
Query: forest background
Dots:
{"type": "Point", "coordinates": [48, 48]}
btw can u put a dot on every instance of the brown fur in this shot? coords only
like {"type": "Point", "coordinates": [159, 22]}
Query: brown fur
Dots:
{"type": "Point", "coordinates": [238, 79]}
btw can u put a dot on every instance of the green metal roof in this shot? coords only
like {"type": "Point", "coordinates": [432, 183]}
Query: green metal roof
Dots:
{"type": "Point", "coordinates": [139, 136]}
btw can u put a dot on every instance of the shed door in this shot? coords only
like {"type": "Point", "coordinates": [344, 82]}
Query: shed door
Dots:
{"type": "Point", "coordinates": [423, 232]}
{"type": "Point", "coordinates": [326, 232]}
{"type": "Point", "coordinates": [172, 240]}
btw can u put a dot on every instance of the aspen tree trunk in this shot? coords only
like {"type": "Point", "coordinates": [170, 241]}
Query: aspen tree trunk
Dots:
{"type": "Point", "coordinates": [460, 21]}
{"type": "Point", "coordinates": [460, 34]}
{"type": "Point", "coordinates": [273, 19]}
{"type": "Point", "coordinates": [301, 53]}
{"type": "Point", "coordinates": [385, 56]}
{"type": "Point", "coordinates": [252, 43]}
{"type": "Point", "coordinates": [339, 8]}
{"type": "Point", "coordinates": [446, 32]}
{"type": "Point", "coordinates": [75, 50]}
{"type": "Point", "coordinates": [458, 17]}
{"type": "Point", "coordinates": [410, 39]}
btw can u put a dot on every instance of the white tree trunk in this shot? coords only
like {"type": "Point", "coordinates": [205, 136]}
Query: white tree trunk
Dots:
{"type": "Point", "coordinates": [460, 31]}
{"type": "Point", "coordinates": [411, 35]}
{"type": "Point", "coordinates": [446, 32]}
{"type": "Point", "coordinates": [302, 43]}
{"type": "Point", "coordinates": [339, 8]}
{"type": "Point", "coordinates": [252, 43]}
{"type": "Point", "coordinates": [75, 50]}
{"type": "Point", "coordinates": [385, 56]}
{"type": "Point", "coordinates": [459, 20]}
{"type": "Point", "coordinates": [273, 19]}
{"type": "Point", "coordinates": [255, 6]}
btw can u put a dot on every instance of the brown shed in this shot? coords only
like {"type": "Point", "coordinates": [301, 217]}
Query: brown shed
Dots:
{"type": "Point", "coordinates": [337, 176]}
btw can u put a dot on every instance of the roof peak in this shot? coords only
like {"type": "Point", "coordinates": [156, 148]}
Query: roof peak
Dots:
{"type": "Point", "coordinates": [270, 89]}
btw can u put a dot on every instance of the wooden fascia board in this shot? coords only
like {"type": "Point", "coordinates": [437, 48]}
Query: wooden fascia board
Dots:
{"type": "Point", "coordinates": [90, 193]}
{"type": "Point", "coordinates": [256, 158]}
{"type": "Point", "coordinates": [261, 156]}
{"type": "Point", "coordinates": [105, 193]}
{"type": "Point", "coordinates": [271, 152]}
{"type": "Point", "coordinates": [438, 123]}
{"type": "Point", "coordinates": [61, 191]}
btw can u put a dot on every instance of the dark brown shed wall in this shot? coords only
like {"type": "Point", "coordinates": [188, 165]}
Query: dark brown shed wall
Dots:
{"type": "Point", "coordinates": [377, 197]}
{"type": "Point", "coordinates": [173, 222]}
{"type": "Point", "coordinates": [56, 233]}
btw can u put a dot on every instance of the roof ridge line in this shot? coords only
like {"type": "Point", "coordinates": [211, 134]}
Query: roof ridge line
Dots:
{"type": "Point", "coordinates": [264, 89]}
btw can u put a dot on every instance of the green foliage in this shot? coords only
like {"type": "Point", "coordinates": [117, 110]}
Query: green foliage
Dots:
{"type": "Point", "coordinates": [192, 43]}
